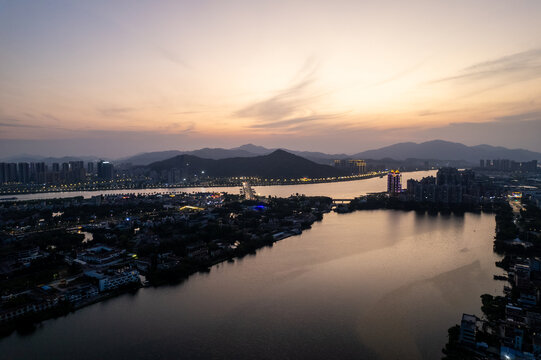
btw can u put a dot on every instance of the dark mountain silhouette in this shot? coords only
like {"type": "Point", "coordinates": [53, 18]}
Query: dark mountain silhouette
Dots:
{"type": "Point", "coordinates": [445, 150]}
{"type": "Point", "coordinates": [207, 153]}
{"type": "Point", "coordinates": [254, 149]}
{"type": "Point", "coordinates": [315, 156]}
{"type": "Point", "coordinates": [248, 150]}
{"type": "Point", "coordinates": [430, 150]}
{"type": "Point", "coordinates": [278, 164]}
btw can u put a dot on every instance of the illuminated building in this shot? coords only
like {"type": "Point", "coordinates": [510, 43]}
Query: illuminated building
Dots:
{"type": "Point", "coordinates": [355, 167]}
{"type": "Point", "coordinates": [105, 170]}
{"type": "Point", "coordinates": [394, 182]}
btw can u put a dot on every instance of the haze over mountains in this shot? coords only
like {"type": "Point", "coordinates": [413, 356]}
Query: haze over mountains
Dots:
{"type": "Point", "coordinates": [248, 150]}
{"type": "Point", "coordinates": [430, 150]}
{"type": "Point", "coordinates": [277, 164]}
{"type": "Point", "coordinates": [445, 150]}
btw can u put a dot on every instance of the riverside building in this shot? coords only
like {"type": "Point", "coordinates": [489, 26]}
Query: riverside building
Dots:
{"type": "Point", "coordinates": [394, 182]}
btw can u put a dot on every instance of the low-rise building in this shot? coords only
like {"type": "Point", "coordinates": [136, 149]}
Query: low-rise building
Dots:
{"type": "Point", "coordinates": [114, 279]}
{"type": "Point", "coordinates": [101, 255]}
{"type": "Point", "coordinates": [81, 293]}
{"type": "Point", "coordinates": [31, 308]}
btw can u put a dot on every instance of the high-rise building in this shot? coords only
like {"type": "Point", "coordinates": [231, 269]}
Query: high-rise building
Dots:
{"type": "Point", "coordinates": [23, 172]}
{"type": "Point", "coordinates": [3, 172]}
{"type": "Point", "coordinates": [105, 170]}
{"type": "Point", "coordinates": [505, 165]}
{"type": "Point", "coordinates": [90, 167]}
{"type": "Point", "coordinates": [354, 167]}
{"type": "Point", "coordinates": [11, 172]}
{"type": "Point", "coordinates": [450, 186]}
{"type": "Point", "coordinates": [77, 171]}
{"type": "Point", "coordinates": [529, 166]}
{"type": "Point", "coordinates": [509, 165]}
{"type": "Point", "coordinates": [394, 182]}
{"type": "Point", "coordinates": [448, 176]}
{"type": "Point", "coordinates": [41, 172]}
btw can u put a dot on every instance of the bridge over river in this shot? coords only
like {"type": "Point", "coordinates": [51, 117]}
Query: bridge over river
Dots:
{"type": "Point", "coordinates": [341, 201]}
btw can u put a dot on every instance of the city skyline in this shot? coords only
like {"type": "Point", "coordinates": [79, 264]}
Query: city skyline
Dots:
{"type": "Point", "coordinates": [241, 179]}
{"type": "Point", "coordinates": [341, 77]}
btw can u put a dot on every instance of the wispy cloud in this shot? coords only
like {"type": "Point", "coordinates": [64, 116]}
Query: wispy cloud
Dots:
{"type": "Point", "coordinates": [296, 121]}
{"type": "Point", "coordinates": [512, 68]}
{"type": "Point", "coordinates": [181, 127]}
{"type": "Point", "coordinates": [399, 75]}
{"type": "Point", "coordinates": [15, 123]}
{"type": "Point", "coordinates": [288, 108]}
{"type": "Point", "coordinates": [8, 124]}
{"type": "Point", "coordinates": [11, 122]}
{"type": "Point", "coordinates": [173, 57]}
{"type": "Point", "coordinates": [281, 105]}
{"type": "Point", "coordinates": [521, 117]}
{"type": "Point", "coordinates": [439, 112]}
{"type": "Point", "coordinates": [112, 111]}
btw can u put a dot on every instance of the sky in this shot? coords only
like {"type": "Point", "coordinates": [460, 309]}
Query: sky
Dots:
{"type": "Point", "coordinates": [114, 78]}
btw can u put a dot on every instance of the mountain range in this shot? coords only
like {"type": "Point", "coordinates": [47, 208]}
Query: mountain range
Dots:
{"type": "Point", "coordinates": [248, 150]}
{"type": "Point", "coordinates": [445, 150]}
{"type": "Point", "coordinates": [438, 150]}
{"type": "Point", "coordinates": [277, 164]}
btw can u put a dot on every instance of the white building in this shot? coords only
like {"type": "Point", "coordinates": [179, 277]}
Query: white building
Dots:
{"type": "Point", "coordinates": [115, 280]}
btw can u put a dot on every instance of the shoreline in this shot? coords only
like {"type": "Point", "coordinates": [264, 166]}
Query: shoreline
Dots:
{"type": "Point", "coordinates": [201, 185]}
{"type": "Point", "coordinates": [158, 279]}
{"type": "Point", "coordinates": [495, 307]}
{"type": "Point", "coordinates": [173, 276]}
{"type": "Point", "coordinates": [188, 186]}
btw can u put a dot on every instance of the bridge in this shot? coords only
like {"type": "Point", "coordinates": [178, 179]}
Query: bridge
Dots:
{"type": "Point", "coordinates": [247, 191]}
{"type": "Point", "coordinates": [341, 201]}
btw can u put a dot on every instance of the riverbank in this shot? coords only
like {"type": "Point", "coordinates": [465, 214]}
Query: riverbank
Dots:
{"type": "Point", "coordinates": [29, 322]}
{"type": "Point", "coordinates": [218, 183]}
{"type": "Point", "coordinates": [242, 227]}
{"type": "Point", "coordinates": [338, 190]}
{"type": "Point", "coordinates": [382, 201]}
{"type": "Point", "coordinates": [510, 325]}
{"type": "Point", "coordinates": [394, 276]}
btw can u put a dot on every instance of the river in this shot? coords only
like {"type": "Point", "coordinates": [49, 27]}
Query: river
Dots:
{"type": "Point", "coordinates": [342, 189]}
{"type": "Point", "coordinates": [364, 285]}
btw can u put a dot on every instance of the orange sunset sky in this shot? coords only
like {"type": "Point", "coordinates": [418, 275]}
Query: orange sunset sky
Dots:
{"type": "Point", "coordinates": [111, 78]}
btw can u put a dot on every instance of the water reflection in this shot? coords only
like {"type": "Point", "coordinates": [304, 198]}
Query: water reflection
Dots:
{"type": "Point", "coordinates": [346, 189]}
{"type": "Point", "coordinates": [347, 288]}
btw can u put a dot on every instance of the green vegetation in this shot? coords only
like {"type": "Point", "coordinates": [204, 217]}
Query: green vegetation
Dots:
{"type": "Point", "coordinates": [505, 226]}
{"type": "Point", "coordinates": [453, 350]}
{"type": "Point", "coordinates": [493, 307]}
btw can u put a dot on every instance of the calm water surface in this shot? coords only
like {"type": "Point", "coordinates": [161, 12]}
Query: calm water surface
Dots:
{"type": "Point", "coordinates": [345, 189]}
{"type": "Point", "coordinates": [365, 285]}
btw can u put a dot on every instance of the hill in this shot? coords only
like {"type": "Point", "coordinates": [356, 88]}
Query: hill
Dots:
{"type": "Point", "coordinates": [445, 150]}
{"type": "Point", "coordinates": [278, 164]}
{"type": "Point", "coordinates": [436, 150]}
{"type": "Point", "coordinates": [248, 150]}
{"type": "Point", "coordinates": [207, 153]}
